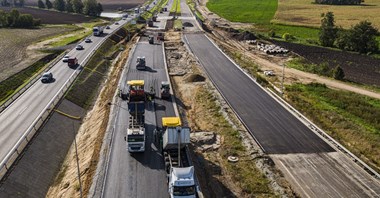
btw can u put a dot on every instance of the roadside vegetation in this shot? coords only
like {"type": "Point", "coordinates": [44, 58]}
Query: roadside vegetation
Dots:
{"type": "Point", "coordinates": [191, 5]}
{"type": "Point", "coordinates": [351, 119]}
{"type": "Point", "coordinates": [244, 173]}
{"type": "Point", "coordinates": [176, 7]}
{"type": "Point", "coordinates": [156, 9]}
{"type": "Point", "coordinates": [84, 89]}
{"type": "Point", "coordinates": [12, 84]}
{"type": "Point", "coordinates": [79, 31]}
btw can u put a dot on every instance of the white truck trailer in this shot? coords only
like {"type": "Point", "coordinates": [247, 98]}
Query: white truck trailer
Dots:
{"type": "Point", "coordinates": [175, 139]}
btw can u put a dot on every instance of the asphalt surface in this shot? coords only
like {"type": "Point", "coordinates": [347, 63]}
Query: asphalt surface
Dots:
{"type": "Point", "coordinates": [32, 175]}
{"type": "Point", "coordinates": [19, 116]}
{"type": "Point", "coordinates": [277, 130]}
{"type": "Point", "coordinates": [140, 174]}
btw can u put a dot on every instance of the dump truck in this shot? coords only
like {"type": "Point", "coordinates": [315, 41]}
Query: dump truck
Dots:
{"type": "Point", "coordinates": [72, 62]}
{"type": "Point", "coordinates": [165, 90]}
{"type": "Point", "coordinates": [175, 140]}
{"type": "Point", "coordinates": [136, 107]}
{"type": "Point", "coordinates": [98, 30]}
{"type": "Point", "coordinates": [140, 63]}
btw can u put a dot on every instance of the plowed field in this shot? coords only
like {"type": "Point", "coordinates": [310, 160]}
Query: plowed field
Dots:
{"type": "Point", "coordinates": [14, 55]}
{"type": "Point", "coordinates": [357, 68]}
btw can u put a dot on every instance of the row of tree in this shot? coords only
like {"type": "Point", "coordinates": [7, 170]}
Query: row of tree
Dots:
{"type": "Point", "coordinates": [88, 7]}
{"type": "Point", "coordinates": [359, 38]}
{"type": "Point", "coordinates": [16, 20]}
{"type": "Point", "coordinates": [339, 2]}
{"type": "Point", "coordinates": [17, 3]}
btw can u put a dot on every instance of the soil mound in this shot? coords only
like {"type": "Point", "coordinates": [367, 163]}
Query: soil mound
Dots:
{"type": "Point", "coordinates": [195, 78]}
{"type": "Point", "coordinates": [242, 36]}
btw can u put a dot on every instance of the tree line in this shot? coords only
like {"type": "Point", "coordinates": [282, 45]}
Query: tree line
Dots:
{"type": "Point", "coordinates": [16, 20]}
{"type": "Point", "coordinates": [339, 2]}
{"type": "Point", "coordinates": [359, 38]}
{"type": "Point", "coordinates": [88, 7]}
{"type": "Point", "coordinates": [17, 3]}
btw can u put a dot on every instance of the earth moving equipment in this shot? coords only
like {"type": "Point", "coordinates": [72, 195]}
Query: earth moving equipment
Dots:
{"type": "Point", "coordinates": [175, 139]}
{"type": "Point", "coordinates": [98, 30]}
{"type": "Point", "coordinates": [140, 63]}
{"type": "Point", "coordinates": [165, 90]}
{"type": "Point", "coordinates": [151, 39]}
{"type": "Point", "coordinates": [136, 107]}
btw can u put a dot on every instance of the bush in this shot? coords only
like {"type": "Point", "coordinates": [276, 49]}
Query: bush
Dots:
{"type": "Point", "coordinates": [288, 37]}
{"type": "Point", "coordinates": [338, 73]}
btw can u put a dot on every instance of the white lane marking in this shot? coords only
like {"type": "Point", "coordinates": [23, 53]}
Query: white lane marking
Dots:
{"type": "Point", "coordinates": [294, 179]}
{"type": "Point", "coordinates": [23, 110]}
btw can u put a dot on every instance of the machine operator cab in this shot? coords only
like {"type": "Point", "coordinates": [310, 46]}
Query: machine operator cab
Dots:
{"type": "Point", "coordinates": [136, 90]}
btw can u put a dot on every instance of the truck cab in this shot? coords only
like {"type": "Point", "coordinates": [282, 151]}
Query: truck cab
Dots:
{"type": "Point", "coordinates": [181, 183]}
{"type": "Point", "coordinates": [165, 90]}
{"type": "Point", "coordinates": [136, 138]}
{"type": "Point", "coordinates": [72, 62]}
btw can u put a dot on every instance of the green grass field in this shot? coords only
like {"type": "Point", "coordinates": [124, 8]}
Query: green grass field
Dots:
{"type": "Point", "coordinates": [352, 119]}
{"type": "Point", "coordinates": [176, 7]}
{"type": "Point", "coordinates": [246, 11]}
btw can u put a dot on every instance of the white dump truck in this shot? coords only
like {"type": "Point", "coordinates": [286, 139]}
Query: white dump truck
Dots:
{"type": "Point", "coordinates": [98, 30]}
{"type": "Point", "coordinates": [175, 140]}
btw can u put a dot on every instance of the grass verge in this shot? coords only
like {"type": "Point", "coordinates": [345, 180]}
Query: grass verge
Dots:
{"type": "Point", "coordinates": [250, 179]}
{"type": "Point", "coordinates": [245, 11]}
{"type": "Point", "coordinates": [176, 7]}
{"type": "Point", "coordinates": [351, 119]}
{"type": "Point", "coordinates": [79, 32]}
{"type": "Point", "coordinates": [157, 8]}
{"type": "Point", "coordinates": [85, 87]}
{"type": "Point", "coordinates": [191, 5]}
{"type": "Point", "coordinates": [12, 84]}
{"type": "Point", "coordinates": [178, 24]}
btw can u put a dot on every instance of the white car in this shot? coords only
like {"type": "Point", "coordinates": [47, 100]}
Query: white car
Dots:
{"type": "Point", "coordinates": [65, 58]}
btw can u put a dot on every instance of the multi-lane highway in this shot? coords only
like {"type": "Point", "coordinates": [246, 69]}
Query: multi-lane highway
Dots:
{"type": "Point", "coordinates": [19, 117]}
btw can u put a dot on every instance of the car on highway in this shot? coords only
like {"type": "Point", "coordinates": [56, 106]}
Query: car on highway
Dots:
{"type": "Point", "coordinates": [108, 27]}
{"type": "Point", "coordinates": [79, 47]}
{"type": "Point", "coordinates": [87, 40]}
{"type": "Point", "coordinates": [65, 58]}
{"type": "Point", "coordinates": [116, 23]}
{"type": "Point", "coordinates": [47, 77]}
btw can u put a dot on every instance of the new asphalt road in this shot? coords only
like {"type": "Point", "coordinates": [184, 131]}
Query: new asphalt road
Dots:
{"type": "Point", "coordinates": [140, 174]}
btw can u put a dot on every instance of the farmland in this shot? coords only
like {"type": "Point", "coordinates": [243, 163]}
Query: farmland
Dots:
{"type": "Point", "coordinates": [249, 11]}
{"type": "Point", "coordinates": [14, 55]}
{"type": "Point", "coordinates": [358, 68]}
{"type": "Point", "coordinates": [305, 13]}
{"type": "Point", "coordinates": [51, 16]}
{"type": "Point", "coordinates": [108, 5]}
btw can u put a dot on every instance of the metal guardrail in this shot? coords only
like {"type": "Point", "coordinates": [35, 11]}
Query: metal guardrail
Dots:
{"type": "Point", "coordinates": [17, 149]}
{"type": "Point", "coordinates": [15, 95]}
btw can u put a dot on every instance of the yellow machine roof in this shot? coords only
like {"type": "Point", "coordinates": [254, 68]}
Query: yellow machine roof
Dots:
{"type": "Point", "coordinates": [171, 121]}
{"type": "Point", "coordinates": [135, 82]}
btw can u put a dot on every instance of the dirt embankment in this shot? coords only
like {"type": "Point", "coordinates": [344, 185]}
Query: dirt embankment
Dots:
{"type": "Point", "coordinates": [89, 140]}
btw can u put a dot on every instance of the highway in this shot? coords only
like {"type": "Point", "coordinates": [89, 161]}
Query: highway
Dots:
{"type": "Point", "coordinates": [17, 118]}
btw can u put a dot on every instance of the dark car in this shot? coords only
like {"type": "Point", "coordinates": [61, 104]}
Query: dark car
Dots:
{"type": "Point", "coordinates": [108, 27]}
{"type": "Point", "coordinates": [87, 40]}
{"type": "Point", "coordinates": [47, 77]}
{"type": "Point", "coordinates": [79, 47]}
